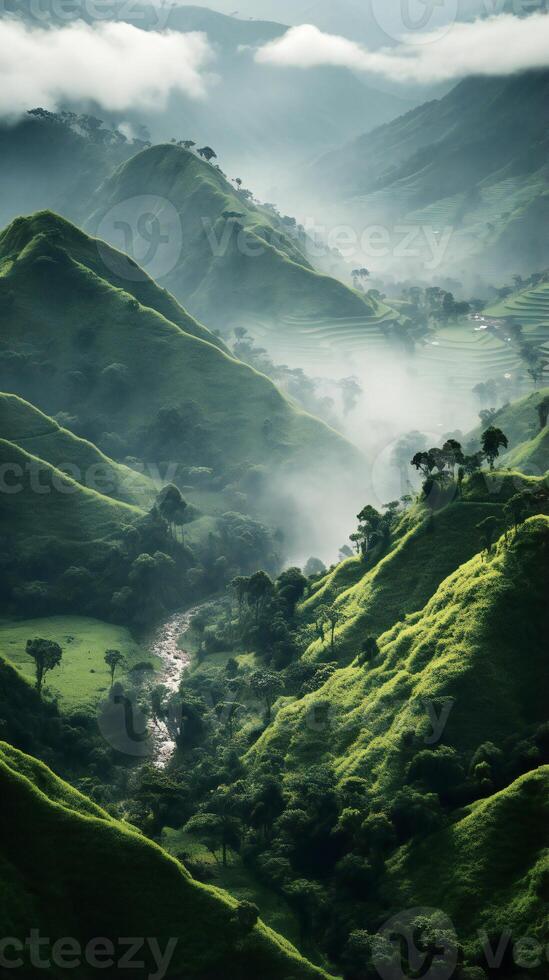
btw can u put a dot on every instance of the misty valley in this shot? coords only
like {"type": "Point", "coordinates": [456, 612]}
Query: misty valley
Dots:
{"type": "Point", "coordinates": [274, 491]}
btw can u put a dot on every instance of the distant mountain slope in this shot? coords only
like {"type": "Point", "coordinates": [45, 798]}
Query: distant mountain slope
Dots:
{"type": "Point", "coordinates": [139, 384]}
{"type": "Point", "coordinates": [237, 260]}
{"type": "Point", "coordinates": [475, 160]}
{"type": "Point", "coordinates": [79, 864]}
{"type": "Point", "coordinates": [528, 449]}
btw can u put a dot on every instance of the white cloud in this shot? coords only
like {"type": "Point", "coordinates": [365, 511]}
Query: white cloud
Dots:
{"type": "Point", "coordinates": [499, 45]}
{"type": "Point", "coordinates": [114, 64]}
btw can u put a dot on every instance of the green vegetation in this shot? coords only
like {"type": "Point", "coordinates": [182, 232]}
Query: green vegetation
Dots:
{"type": "Point", "coordinates": [43, 437]}
{"type": "Point", "coordinates": [82, 678]}
{"type": "Point", "coordinates": [500, 873]}
{"type": "Point", "coordinates": [239, 259]}
{"type": "Point", "coordinates": [338, 788]}
{"type": "Point", "coordinates": [205, 410]}
{"type": "Point", "coordinates": [80, 880]}
{"type": "Point", "coordinates": [314, 771]}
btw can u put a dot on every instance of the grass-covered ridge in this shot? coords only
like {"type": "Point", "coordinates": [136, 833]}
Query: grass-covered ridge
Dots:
{"type": "Point", "coordinates": [247, 264]}
{"type": "Point", "coordinates": [462, 646]}
{"type": "Point", "coordinates": [79, 865]}
{"type": "Point", "coordinates": [491, 866]}
{"type": "Point", "coordinates": [426, 546]}
{"type": "Point", "coordinates": [41, 436]}
{"type": "Point", "coordinates": [87, 347]}
{"type": "Point", "coordinates": [101, 261]}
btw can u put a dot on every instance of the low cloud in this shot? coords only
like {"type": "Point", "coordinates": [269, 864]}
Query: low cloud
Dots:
{"type": "Point", "coordinates": [499, 45]}
{"type": "Point", "coordinates": [114, 64]}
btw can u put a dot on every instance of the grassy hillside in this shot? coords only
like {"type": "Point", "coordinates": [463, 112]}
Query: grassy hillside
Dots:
{"type": "Point", "coordinates": [431, 756]}
{"type": "Point", "coordinates": [37, 434]}
{"type": "Point", "coordinates": [79, 866]}
{"type": "Point", "coordinates": [426, 547]}
{"type": "Point", "coordinates": [46, 505]}
{"type": "Point", "coordinates": [528, 445]}
{"type": "Point", "coordinates": [82, 677]}
{"type": "Point", "coordinates": [59, 307]}
{"type": "Point", "coordinates": [250, 265]}
{"type": "Point", "coordinates": [101, 262]}
{"type": "Point", "coordinates": [483, 880]}
{"type": "Point", "coordinates": [463, 646]}
{"type": "Point", "coordinates": [136, 383]}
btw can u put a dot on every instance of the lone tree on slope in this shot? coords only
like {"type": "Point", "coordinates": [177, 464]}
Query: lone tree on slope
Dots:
{"type": "Point", "coordinates": [492, 441]}
{"type": "Point", "coordinates": [207, 153]}
{"type": "Point", "coordinates": [46, 655]}
{"type": "Point", "coordinates": [113, 659]}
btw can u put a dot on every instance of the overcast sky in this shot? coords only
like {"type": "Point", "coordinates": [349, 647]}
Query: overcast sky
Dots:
{"type": "Point", "coordinates": [363, 20]}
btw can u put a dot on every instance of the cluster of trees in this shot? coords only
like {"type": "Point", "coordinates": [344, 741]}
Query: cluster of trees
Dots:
{"type": "Point", "coordinates": [374, 530]}
{"type": "Point", "coordinates": [91, 128]}
{"type": "Point", "coordinates": [440, 466]}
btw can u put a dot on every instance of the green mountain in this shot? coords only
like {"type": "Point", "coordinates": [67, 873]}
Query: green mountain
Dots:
{"type": "Point", "coordinates": [528, 442]}
{"type": "Point", "coordinates": [474, 161]}
{"type": "Point", "coordinates": [429, 744]}
{"type": "Point", "coordinates": [480, 882]}
{"type": "Point", "coordinates": [71, 878]}
{"type": "Point", "coordinates": [153, 383]}
{"type": "Point", "coordinates": [426, 546]}
{"type": "Point", "coordinates": [133, 374]}
{"type": "Point", "coordinates": [237, 261]}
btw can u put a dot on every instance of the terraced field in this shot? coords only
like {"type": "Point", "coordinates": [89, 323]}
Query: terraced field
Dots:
{"type": "Point", "coordinates": [304, 342]}
{"type": "Point", "coordinates": [457, 357]}
{"type": "Point", "coordinates": [529, 307]}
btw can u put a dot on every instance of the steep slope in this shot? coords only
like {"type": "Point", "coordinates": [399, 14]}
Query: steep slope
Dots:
{"type": "Point", "coordinates": [237, 261]}
{"type": "Point", "coordinates": [474, 161]}
{"type": "Point", "coordinates": [103, 262]}
{"type": "Point", "coordinates": [495, 883]}
{"type": "Point", "coordinates": [520, 422]}
{"type": "Point", "coordinates": [40, 436]}
{"type": "Point", "coordinates": [72, 878]}
{"type": "Point", "coordinates": [427, 546]}
{"type": "Point", "coordinates": [462, 646]}
{"type": "Point", "coordinates": [139, 385]}
{"type": "Point", "coordinates": [431, 754]}
{"type": "Point", "coordinates": [45, 504]}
